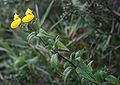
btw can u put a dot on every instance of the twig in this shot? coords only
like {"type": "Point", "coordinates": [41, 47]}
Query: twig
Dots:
{"type": "Point", "coordinates": [117, 47]}
{"type": "Point", "coordinates": [114, 47]}
{"type": "Point", "coordinates": [109, 33]}
{"type": "Point", "coordinates": [104, 33]}
{"type": "Point", "coordinates": [112, 11]}
{"type": "Point", "coordinates": [109, 37]}
{"type": "Point", "coordinates": [4, 80]}
{"type": "Point", "coordinates": [67, 60]}
{"type": "Point", "coordinates": [56, 23]}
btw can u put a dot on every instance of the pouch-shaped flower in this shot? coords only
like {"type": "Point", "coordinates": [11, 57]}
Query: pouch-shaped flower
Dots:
{"type": "Point", "coordinates": [29, 16]}
{"type": "Point", "coordinates": [16, 22]}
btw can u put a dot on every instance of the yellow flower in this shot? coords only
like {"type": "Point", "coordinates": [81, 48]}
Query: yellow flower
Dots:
{"type": "Point", "coordinates": [16, 22]}
{"type": "Point", "coordinates": [29, 16]}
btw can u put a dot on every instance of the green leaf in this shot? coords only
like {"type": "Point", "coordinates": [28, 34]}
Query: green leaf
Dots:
{"type": "Point", "coordinates": [2, 49]}
{"type": "Point", "coordinates": [112, 79]}
{"type": "Point", "coordinates": [19, 62]}
{"type": "Point", "coordinates": [31, 36]}
{"type": "Point", "coordinates": [54, 61]}
{"type": "Point", "coordinates": [84, 81]}
{"type": "Point", "coordinates": [78, 56]}
{"type": "Point", "coordinates": [89, 65]}
{"type": "Point", "coordinates": [100, 75]}
{"type": "Point", "coordinates": [43, 33]}
{"type": "Point", "coordinates": [72, 56]}
{"type": "Point", "coordinates": [24, 26]}
{"type": "Point", "coordinates": [85, 72]}
{"type": "Point", "coordinates": [66, 73]}
{"type": "Point", "coordinates": [67, 64]}
{"type": "Point", "coordinates": [60, 46]}
{"type": "Point", "coordinates": [32, 61]}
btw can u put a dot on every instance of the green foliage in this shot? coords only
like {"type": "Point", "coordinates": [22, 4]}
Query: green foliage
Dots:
{"type": "Point", "coordinates": [113, 80]}
{"type": "Point", "coordinates": [84, 71]}
{"type": "Point", "coordinates": [58, 45]}
{"type": "Point", "coordinates": [66, 73]}
{"type": "Point", "coordinates": [68, 43]}
{"type": "Point", "coordinates": [54, 61]}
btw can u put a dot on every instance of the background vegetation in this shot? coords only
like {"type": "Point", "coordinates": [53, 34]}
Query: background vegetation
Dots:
{"type": "Point", "coordinates": [70, 42]}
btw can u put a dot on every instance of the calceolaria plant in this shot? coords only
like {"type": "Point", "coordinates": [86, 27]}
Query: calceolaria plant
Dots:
{"type": "Point", "coordinates": [56, 58]}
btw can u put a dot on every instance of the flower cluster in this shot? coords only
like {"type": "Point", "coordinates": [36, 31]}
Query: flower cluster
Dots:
{"type": "Point", "coordinates": [27, 18]}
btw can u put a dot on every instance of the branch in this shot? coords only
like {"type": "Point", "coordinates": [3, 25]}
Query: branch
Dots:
{"type": "Point", "coordinates": [104, 33]}
{"type": "Point", "coordinates": [109, 33]}
{"type": "Point", "coordinates": [67, 60]}
{"type": "Point", "coordinates": [112, 11]}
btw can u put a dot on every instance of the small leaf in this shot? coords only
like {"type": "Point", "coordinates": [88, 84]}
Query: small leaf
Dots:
{"type": "Point", "coordinates": [66, 73]}
{"type": "Point", "coordinates": [19, 62]}
{"type": "Point", "coordinates": [54, 61]}
{"type": "Point", "coordinates": [72, 56]}
{"type": "Point", "coordinates": [43, 33]}
{"type": "Point", "coordinates": [78, 56]}
{"type": "Point", "coordinates": [100, 75]}
{"type": "Point", "coordinates": [66, 65]}
{"type": "Point", "coordinates": [32, 61]}
{"type": "Point", "coordinates": [89, 65]}
{"type": "Point", "coordinates": [31, 36]}
{"type": "Point", "coordinates": [60, 46]}
{"type": "Point", "coordinates": [2, 49]}
{"type": "Point", "coordinates": [24, 26]}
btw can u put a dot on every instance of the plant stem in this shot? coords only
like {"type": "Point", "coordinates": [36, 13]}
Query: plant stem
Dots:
{"type": "Point", "coordinates": [67, 60]}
